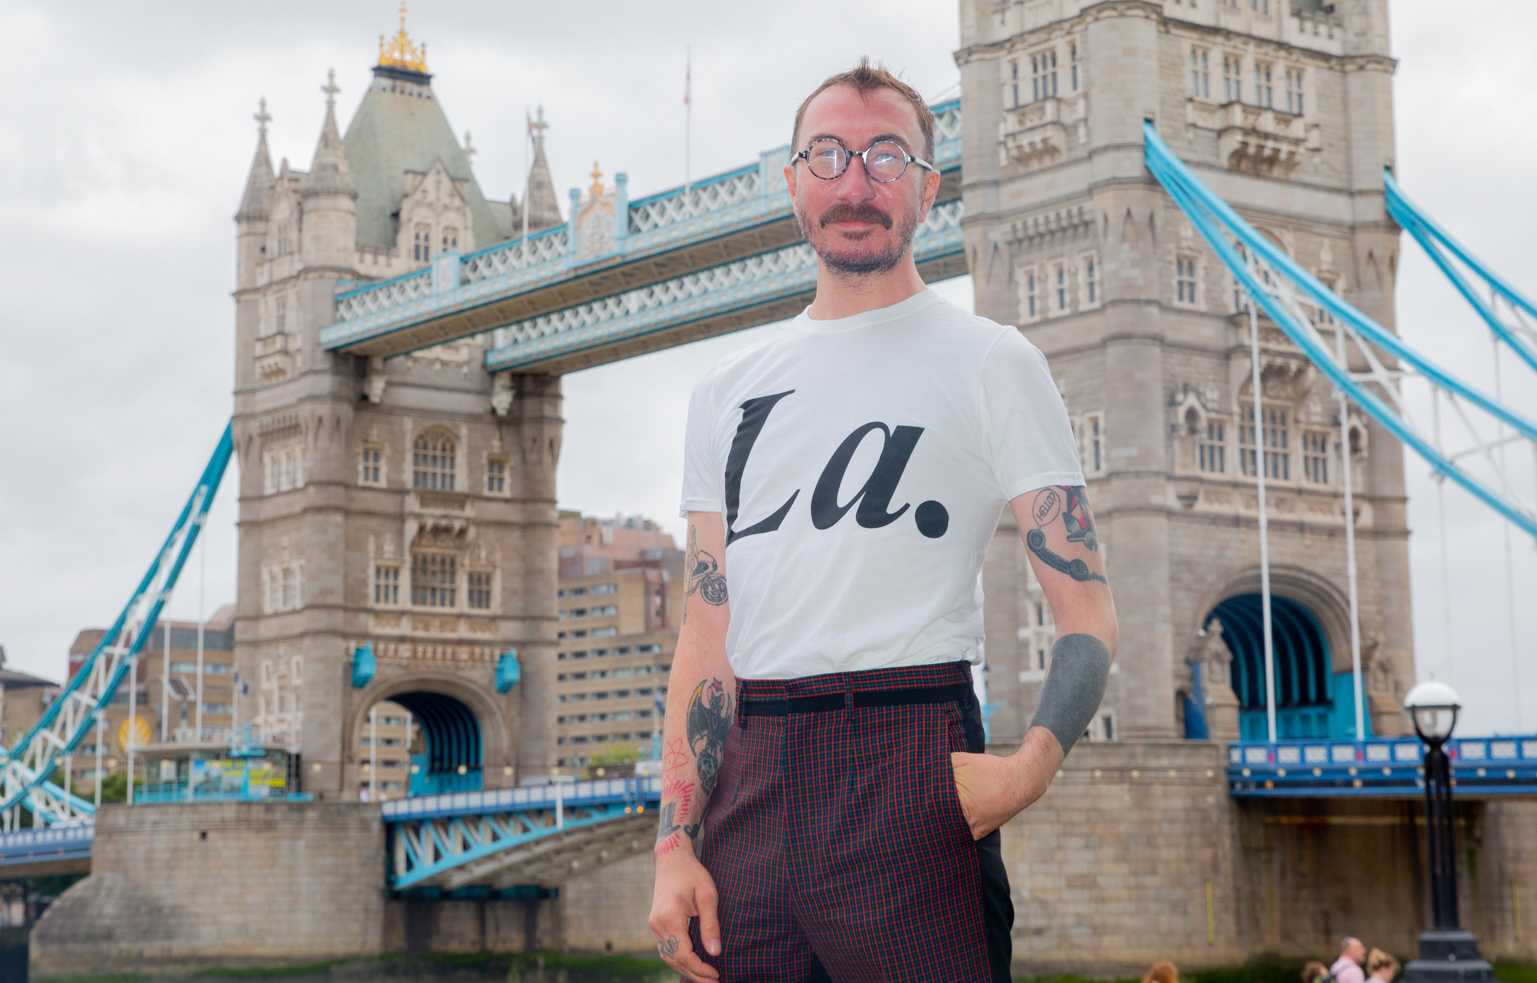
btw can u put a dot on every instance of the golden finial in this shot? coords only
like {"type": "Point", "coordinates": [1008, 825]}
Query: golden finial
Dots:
{"type": "Point", "coordinates": [399, 52]}
{"type": "Point", "coordinates": [596, 191]}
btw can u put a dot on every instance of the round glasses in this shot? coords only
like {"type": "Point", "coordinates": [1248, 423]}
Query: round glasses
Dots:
{"type": "Point", "coordinates": [885, 161]}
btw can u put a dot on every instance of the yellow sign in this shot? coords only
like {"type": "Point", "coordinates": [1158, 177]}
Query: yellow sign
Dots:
{"type": "Point", "coordinates": [140, 729]}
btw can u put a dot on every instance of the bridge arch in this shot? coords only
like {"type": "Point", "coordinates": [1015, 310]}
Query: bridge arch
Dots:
{"type": "Point", "coordinates": [1310, 627]}
{"type": "Point", "coordinates": [465, 731]}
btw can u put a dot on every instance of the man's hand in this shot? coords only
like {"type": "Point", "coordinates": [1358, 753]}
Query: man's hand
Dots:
{"type": "Point", "coordinates": [994, 790]}
{"type": "Point", "coordinates": [684, 890]}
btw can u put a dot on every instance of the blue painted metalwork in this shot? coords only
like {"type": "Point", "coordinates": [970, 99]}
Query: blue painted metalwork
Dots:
{"type": "Point", "coordinates": [1294, 299]}
{"type": "Point", "coordinates": [171, 793]}
{"type": "Point", "coordinates": [537, 834]}
{"type": "Point", "coordinates": [1433, 239]}
{"type": "Point", "coordinates": [716, 208]}
{"type": "Point", "coordinates": [46, 845]}
{"type": "Point", "coordinates": [364, 665]}
{"type": "Point", "coordinates": [1379, 767]}
{"type": "Point", "coordinates": [24, 771]}
{"type": "Point", "coordinates": [452, 734]}
{"type": "Point", "coordinates": [717, 292]}
{"type": "Point", "coordinates": [508, 671]}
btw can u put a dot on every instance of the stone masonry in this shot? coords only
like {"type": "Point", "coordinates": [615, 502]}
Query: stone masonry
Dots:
{"type": "Point", "coordinates": [1284, 108]}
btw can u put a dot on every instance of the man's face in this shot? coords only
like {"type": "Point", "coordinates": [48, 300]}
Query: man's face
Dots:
{"type": "Point", "coordinates": [1356, 951]}
{"type": "Point", "coordinates": [858, 226]}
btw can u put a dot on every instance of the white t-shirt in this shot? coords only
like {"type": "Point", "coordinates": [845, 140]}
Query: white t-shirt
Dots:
{"type": "Point", "coordinates": [861, 465]}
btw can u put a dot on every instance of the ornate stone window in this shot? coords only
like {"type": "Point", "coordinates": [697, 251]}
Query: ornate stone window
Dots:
{"type": "Point", "coordinates": [1091, 443]}
{"type": "Point", "coordinates": [1211, 448]}
{"type": "Point", "coordinates": [1200, 73]}
{"type": "Point", "coordinates": [1315, 457]}
{"type": "Point", "coordinates": [1232, 78]}
{"type": "Point", "coordinates": [1102, 728]}
{"type": "Point", "coordinates": [371, 465]}
{"type": "Point", "coordinates": [1294, 103]}
{"type": "Point", "coordinates": [450, 239]}
{"type": "Point", "coordinates": [1260, 6]}
{"type": "Point", "coordinates": [1014, 83]}
{"type": "Point", "coordinates": [432, 460]}
{"type": "Point", "coordinates": [1075, 65]}
{"type": "Point", "coordinates": [421, 243]}
{"type": "Point", "coordinates": [1276, 436]}
{"type": "Point", "coordinates": [284, 468]}
{"type": "Point", "coordinates": [1264, 89]}
{"type": "Point", "coordinates": [386, 584]}
{"type": "Point", "coordinates": [496, 476]}
{"type": "Point", "coordinates": [1088, 280]}
{"type": "Point", "coordinates": [1059, 288]}
{"type": "Point", "coordinates": [1030, 298]}
{"type": "Point", "coordinates": [1043, 74]}
{"type": "Point", "coordinates": [280, 314]}
{"type": "Point", "coordinates": [478, 590]}
{"type": "Point", "coordinates": [282, 588]}
{"type": "Point", "coordinates": [434, 580]}
{"type": "Point", "coordinates": [1186, 293]}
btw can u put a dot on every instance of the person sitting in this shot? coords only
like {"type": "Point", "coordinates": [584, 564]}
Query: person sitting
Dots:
{"type": "Point", "coordinates": [1347, 968]}
{"type": "Point", "coordinates": [1381, 967]}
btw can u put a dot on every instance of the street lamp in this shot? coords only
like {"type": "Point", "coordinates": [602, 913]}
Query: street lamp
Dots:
{"type": "Point", "coordinates": [1447, 953]}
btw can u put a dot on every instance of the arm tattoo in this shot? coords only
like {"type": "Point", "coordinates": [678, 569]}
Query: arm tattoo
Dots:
{"type": "Point", "coordinates": [707, 722]}
{"type": "Point", "coordinates": [1071, 505]}
{"type": "Point", "coordinates": [703, 573]}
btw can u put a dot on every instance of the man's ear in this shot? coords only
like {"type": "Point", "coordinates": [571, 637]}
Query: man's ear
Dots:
{"type": "Point", "coordinates": [930, 192]}
{"type": "Point", "coordinates": [790, 184]}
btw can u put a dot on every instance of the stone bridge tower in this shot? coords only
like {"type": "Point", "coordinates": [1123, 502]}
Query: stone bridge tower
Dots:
{"type": "Point", "coordinates": [409, 505]}
{"type": "Point", "coordinates": [1284, 107]}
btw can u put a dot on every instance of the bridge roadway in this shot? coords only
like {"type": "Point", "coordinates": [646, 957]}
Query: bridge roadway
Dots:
{"type": "Point", "coordinates": [718, 255]}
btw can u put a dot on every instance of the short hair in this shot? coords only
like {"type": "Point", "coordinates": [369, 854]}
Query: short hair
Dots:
{"type": "Point", "coordinates": [1345, 942]}
{"type": "Point", "coordinates": [1311, 971]}
{"type": "Point", "coordinates": [1162, 971]}
{"type": "Point", "coordinates": [864, 78]}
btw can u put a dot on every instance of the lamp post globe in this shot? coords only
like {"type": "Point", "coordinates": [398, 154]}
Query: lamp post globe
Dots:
{"type": "Point", "coordinates": [1447, 953]}
{"type": "Point", "coordinates": [1433, 707]}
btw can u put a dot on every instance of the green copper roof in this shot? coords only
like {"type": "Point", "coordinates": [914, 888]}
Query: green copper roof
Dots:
{"type": "Point", "coordinates": [400, 127]}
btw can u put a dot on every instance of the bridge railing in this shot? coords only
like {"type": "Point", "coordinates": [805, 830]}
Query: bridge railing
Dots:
{"type": "Point", "coordinates": [523, 797]}
{"type": "Point", "coordinates": [30, 846]}
{"type": "Point", "coordinates": [1379, 766]}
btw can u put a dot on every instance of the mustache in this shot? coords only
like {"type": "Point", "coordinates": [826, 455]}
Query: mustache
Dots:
{"type": "Point", "coordinates": [845, 212]}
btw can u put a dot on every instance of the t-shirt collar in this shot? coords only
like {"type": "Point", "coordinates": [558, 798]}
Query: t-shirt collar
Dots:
{"type": "Point", "coordinates": [863, 319]}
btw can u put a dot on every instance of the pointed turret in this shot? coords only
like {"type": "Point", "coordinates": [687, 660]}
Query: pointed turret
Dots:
{"type": "Point", "coordinates": [251, 218]}
{"type": "Point", "coordinates": [543, 208]}
{"type": "Point", "coordinates": [329, 196]}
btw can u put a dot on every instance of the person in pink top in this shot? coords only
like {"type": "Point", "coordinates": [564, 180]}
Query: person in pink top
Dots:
{"type": "Point", "coordinates": [1347, 968]}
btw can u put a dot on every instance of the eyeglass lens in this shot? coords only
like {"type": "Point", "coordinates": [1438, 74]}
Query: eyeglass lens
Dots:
{"type": "Point", "coordinates": [884, 161]}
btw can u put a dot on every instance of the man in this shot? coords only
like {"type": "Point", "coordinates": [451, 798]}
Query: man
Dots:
{"type": "Point", "coordinates": [827, 811]}
{"type": "Point", "coordinates": [1347, 968]}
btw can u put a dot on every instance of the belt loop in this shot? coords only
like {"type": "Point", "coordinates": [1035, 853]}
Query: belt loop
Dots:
{"type": "Point", "coordinates": [848, 692]}
{"type": "Point", "coordinates": [741, 705]}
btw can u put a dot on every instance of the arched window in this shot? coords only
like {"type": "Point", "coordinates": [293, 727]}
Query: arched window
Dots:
{"type": "Point", "coordinates": [421, 243]}
{"type": "Point", "coordinates": [432, 461]}
{"type": "Point", "coordinates": [450, 239]}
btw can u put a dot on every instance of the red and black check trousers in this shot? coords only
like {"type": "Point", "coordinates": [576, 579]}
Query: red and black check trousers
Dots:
{"type": "Point", "coordinates": [836, 839]}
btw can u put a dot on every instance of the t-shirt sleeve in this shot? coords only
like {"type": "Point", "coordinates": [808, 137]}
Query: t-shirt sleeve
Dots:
{"type": "Point", "coordinates": [1028, 438]}
{"type": "Point", "coordinates": [701, 476]}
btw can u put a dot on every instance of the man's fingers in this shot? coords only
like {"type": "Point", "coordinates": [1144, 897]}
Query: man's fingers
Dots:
{"type": "Point", "coordinates": [709, 921]}
{"type": "Point", "coordinates": [675, 949]}
{"type": "Point", "coordinates": [693, 967]}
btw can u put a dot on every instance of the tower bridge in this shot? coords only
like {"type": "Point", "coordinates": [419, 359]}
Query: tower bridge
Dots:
{"type": "Point", "coordinates": [1186, 257]}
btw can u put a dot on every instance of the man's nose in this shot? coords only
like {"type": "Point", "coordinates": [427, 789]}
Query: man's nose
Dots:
{"type": "Point", "coordinates": [854, 183]}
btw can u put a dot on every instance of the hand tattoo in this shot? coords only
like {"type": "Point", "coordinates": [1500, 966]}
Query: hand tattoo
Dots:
{"type": "Point", "coordinates": [668, 947]}
{"type": "Point", "coordinates": [702, 574]}
{"type": "Point", "coordinates": [1072, 505]}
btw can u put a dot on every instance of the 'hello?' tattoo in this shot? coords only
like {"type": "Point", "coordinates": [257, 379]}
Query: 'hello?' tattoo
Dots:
{"type": "Point", "coordinates": [1068, 503]}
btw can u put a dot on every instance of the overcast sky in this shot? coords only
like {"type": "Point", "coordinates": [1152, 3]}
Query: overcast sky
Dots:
{"type": "Point", "coordinates": [126, 135]}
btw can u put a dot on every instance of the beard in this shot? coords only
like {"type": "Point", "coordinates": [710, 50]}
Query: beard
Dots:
{"type": "Point", "coordinates": [859, 264]}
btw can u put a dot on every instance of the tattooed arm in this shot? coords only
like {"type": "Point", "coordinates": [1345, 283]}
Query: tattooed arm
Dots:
{"type": "Point", "coordinates": [701, 704]}
{"type": "Point", "coordinates": [1059, 531]}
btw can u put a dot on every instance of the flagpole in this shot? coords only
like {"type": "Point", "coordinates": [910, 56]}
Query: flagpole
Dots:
{"type": "Point", "coordinates": [688, 116]}
{"type": "Point", "coordinates": [528, 172]}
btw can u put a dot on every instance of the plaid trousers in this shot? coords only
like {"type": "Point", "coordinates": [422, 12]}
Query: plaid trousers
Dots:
{"type": "Point", "coordinates": [837, 842]}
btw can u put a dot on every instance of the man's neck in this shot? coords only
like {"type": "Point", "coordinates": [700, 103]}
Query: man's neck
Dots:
{"type": "Point", "coordinates": [843, 296]}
